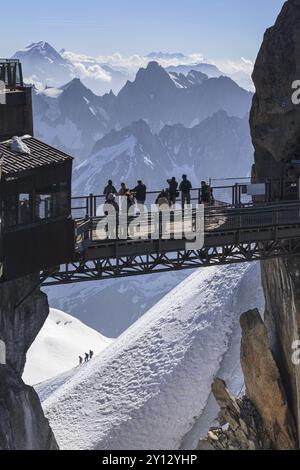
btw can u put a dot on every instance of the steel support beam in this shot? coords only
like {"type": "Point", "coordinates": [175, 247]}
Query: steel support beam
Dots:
{"type": "Point", "coordinates": [126, 266]}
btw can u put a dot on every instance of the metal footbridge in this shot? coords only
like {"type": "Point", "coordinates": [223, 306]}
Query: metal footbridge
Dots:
{"type": "Point", "coordinates": [236, 230]}
{"type": "Point", "coordinates": [43, 229]}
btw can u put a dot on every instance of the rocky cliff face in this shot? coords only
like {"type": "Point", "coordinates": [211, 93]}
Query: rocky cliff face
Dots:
{"type": "Point", "coordinates": [243, 428]}
{"type": "Point", "coordinates": [275, 127]}
{"type": "Point", "coordinates": [264, 384]}
{"type": "Point", "coordinates": [22, 422]}
{"type": "Point", "coordinates": [272, 380]}
{"type": "Point", "coordinates": [261, 420]}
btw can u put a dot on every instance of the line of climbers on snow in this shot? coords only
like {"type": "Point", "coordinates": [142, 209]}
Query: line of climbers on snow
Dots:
{"type": "Point", "coordinates": [167, 196]}
{"type": "Point", "coordinates": [87, 357]}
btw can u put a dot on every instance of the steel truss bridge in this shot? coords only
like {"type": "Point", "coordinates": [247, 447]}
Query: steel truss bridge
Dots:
{"type": "Point", "coordinates": [234, 232]}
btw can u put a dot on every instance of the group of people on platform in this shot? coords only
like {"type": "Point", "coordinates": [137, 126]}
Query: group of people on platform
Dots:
{"type": "Point", "coordinates": [167, 196]}
{"type": "Point", "coordinates": [138, 195]}
{"type": "Point", "coordinates": [87, 357]}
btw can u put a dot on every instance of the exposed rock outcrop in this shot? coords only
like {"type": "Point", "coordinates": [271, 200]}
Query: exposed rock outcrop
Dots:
{"type": "Point", "coordinates": [272, 380]}
{"type": "Point", "coordinates": [242, 429]}
{"type": "Point", "coordinates": [275, 127]}
{"type": "Point", "coordinates": [262, 419]}
{"type": "Point", "coordinates": [22, 422]}
{"type": "Point", "coordinates": [275, 120]}
{"type": "Point", "coordinates": [264, 385]}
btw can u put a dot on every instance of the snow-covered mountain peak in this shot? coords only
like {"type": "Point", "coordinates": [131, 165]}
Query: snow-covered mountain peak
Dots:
{"type": "Point", "coordinates": [40, 50]}
{"type": "Point", "coordinates": [210, 70]}
{"type": "Point", "coordinates": [194, 77]}
{"type": "Point", "coordinates": [136, 151]}
{"type": "Point", "coordinates": [43, 65]}
{"type": "Point", "coordinates": [41, 45]}
{"type": "Point", "coordinates": [57, 347]}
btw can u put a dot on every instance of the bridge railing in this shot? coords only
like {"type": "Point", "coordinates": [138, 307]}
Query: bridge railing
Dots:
{"type": "Point", "coordinates": [253, 217]}
{"type": "Point", "coordinates": [11, 73]}
{"type": "Point", "coordinates": [218, 220]}
{"type": "Point", "coordinates": [230, 195]}
{"type": "Point", "coordinates": [91, 205]}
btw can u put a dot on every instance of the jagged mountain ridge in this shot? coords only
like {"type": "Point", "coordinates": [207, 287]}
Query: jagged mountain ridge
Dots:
{"type": "Point", "coordinates": [43, 64]}
{"type": "Point", "coordinates": [208, 69]}
{"type": "Point", "coordinates": [154, 96]}
{"type": "Point", "coordinates": [74, 118]}
{"type": "Point", "coordinates": [192, 78]}
{"type": "Point", "coordinates": [135, 152]}
{"type": "Point", "coordinates": [88, 126]}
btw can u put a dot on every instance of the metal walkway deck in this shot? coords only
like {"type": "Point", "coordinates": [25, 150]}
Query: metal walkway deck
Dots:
{"type": "Point", "coordinates": [231, 235]}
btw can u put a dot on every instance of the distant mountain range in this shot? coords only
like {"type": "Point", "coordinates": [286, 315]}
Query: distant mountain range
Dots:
{"type": "Point", "coordinates": [208, 69]}
{"type": "Point", "coordinates": [220, 146]}
{"type": "Point", "coordinates": [166, 56]}
{"type": "Point", "coordinates": [45, 66]}
{"type": "Point", "coordinates": [159, 124]}
{"type": "Point", "coordinates": [73, 118]}
{"type": "Point", "coordinates": [185, 81]}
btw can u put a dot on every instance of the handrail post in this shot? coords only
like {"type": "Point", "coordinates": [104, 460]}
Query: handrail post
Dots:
{"type": "Point", "coordinates": [160, 225]}
{"type": "Point", "coordinates": [95, 206]}
{"type": "Point", "coordinates": [91, 205]}
{"type": "Point", "coordinates": [86, 206]}
{"type": "Point", "coordinates": [233, 196]}
{"type": "Point", "coordinates": [237, 202]}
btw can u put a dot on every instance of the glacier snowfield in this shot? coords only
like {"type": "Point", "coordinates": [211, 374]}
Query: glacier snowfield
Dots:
{"type": "Point", "coordinates": [151, 387]}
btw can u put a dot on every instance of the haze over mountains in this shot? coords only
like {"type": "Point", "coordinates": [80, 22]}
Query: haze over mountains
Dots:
{"type": "Point", "coordinates": [161, 122]}
{"type": "Point", "coordinates": [45, 66]}
{"type": "Point", "coordinates": [135, 152]}
{"type": "Point", "coordinates": [73, 118]}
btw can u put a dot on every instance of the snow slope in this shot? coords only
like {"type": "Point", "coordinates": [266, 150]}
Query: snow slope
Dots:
{"type": "Point", "coordinates": [151, 388]}
{"type": "Point", "coordinates": [112, 306]}
{"type": "Point", "coordinates": [58, 346]}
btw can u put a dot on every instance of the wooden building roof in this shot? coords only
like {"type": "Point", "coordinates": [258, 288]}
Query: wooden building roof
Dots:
{"type": "Point", "coordinates": [41, 155]}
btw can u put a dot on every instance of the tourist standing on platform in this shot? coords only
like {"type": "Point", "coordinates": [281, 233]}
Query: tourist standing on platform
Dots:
{"type": "Point", "coordinates": [185, 188]}
{"type": "Point", "coordinates": [109, 189]}
{"type": "Point", "coordinates": [173, 191]}
{"type": "Point", "coordinates": [140, 193]}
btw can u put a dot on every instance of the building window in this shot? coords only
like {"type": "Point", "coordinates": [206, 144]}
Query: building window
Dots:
{"type": "Point", "coordinates": [24, 209]}
{"type": "Point", "coordinates": [52, 202]}
{"type": "Point", "coordinates": [43, 204]}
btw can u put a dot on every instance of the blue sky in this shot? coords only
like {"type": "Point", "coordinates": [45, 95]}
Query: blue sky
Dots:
{"type": "Point", "coordinates": [217, 28]}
